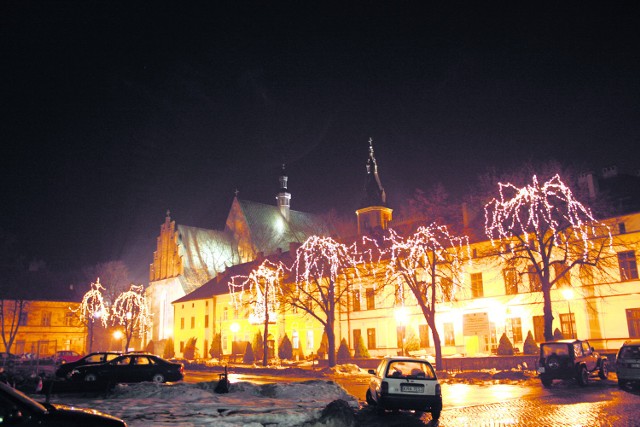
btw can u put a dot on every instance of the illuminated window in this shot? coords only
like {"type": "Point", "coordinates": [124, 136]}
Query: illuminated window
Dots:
{"type": "Point", "coordinates": [568, 325]}
{"type": "Point", "coordinates": [449, 336]}
{"type": "Point", "coordinates": [371, 338]}
{"type": "Point", "coordinates": [510, 281]}
{"type": "Point", "coordinates": [371, 299]}
{"type": "Point", "coordinates": [477, 290]}
{"type": "Point", "coordinates": [516, 329]}
{"type": "Point", "coordinates": [356, 300]}
{"type": "Point", "coordinates": [628, 265]}
{"type": "Point", "coordinates": [295, 340]}
{"type": "Point", "coordinates": [535, 285]}
{"type": "Point", "coordinates": [310, 345]}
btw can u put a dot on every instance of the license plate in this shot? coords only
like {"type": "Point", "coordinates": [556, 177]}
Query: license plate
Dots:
{"type": "Point", "coordinates": [412, 388]}
{"type": "Point", "coordinates": [635, 365]}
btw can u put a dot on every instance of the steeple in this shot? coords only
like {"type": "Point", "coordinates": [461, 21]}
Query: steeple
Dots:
{"type": "Point", "coordinates": [373, 212]}
{"type": "Point", "coordinates": [284, 197]}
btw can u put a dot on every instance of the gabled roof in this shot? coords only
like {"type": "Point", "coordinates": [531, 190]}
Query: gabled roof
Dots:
{"type": "Point", "coordinates": [219, 285]}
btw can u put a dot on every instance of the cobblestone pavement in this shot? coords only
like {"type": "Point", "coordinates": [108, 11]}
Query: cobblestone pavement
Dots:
{"type": "Point", "coordinates": [604, 406]}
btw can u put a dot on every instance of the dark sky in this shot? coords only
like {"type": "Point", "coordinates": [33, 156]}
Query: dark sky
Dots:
{"type": "Point", "coordinates": [114, 112]}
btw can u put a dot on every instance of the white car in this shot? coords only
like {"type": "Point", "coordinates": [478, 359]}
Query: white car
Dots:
{"type": "Point", "coordinates": [405, 383]}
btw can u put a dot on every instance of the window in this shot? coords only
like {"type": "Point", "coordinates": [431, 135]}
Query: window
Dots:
{"type": "Point", "coordinates": [628, 265]}
{"type": "Point", "coordinates": [424, 335]}
{"type": "Point", "coordinates": [45, 320]}
{"type": "Point", "coordinates": [622, 228]}
{"type": "Point", "coordinates": [474, 253]}
{"type": "Point", "coordinates": [449, 336]}
{"type": "Point", "coordinates": [181, 346]}
{"type": "Point", "coordinates": [181, 324]}
{"type": "Point", "coordinates": [568, 325]}
{"type": "Point", "coordinates": [633, 321]}
{"type": "Point", "coordinates": [356, 300]}
{"type": "Point", "coordinates": [295, 340]}
{"type": "Point", "coordinates": [68, 319]}
{"type": "Point", "coordinates": [563, 278]}
{"type": "Point", "coordinates": [206, 322]}
{"type": "Point", "coordinates": [357, 335]}
{"type": "Point", "coordinates": [23, 319]}
{"type": "Point", "coordinates": [510, 281]}
{"type": "Point", "coordinates": [538, 328]}
{"type": "Point", "coordinates": [225, 313]}
{"type": "Point", "coordinates": [193, 322]}
{"type": "Point", "coordinates": [516, 329]}
{"type": "Point", "coordinates": [310, 345]}
{"type": "Point", "coordinates": [371, 300]}
{"type": "Point", "coordinates": [447, 289]}
{"type": "Point", "coordinates": [535, 285]}
{"type": "Point", "coordinates": [476, 285]}
{"type": "Point", "coordinates": [586, 274]}
{"type": "Point", "coordinates": [371, 338]}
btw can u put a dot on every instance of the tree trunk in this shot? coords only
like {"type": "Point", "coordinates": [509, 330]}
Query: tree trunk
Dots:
{"type": "Point", "coordinates": [265, 354]}
{"type": "Point", "coordinates": [331, 338]}
{"type": "Point", "coordinates": [548, 313]}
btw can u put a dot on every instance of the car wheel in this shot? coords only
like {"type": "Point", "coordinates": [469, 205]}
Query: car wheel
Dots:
{"type": "Point", "coordinates": [603, 372]}
{"type": "Point", "coordinates": [90, 377]}
{"type": "Point", "coordinates": [435, 414]}
{"type": "Point", "coordinates": [583, 377]}
{"type": "Point", "coordinates": [158, 378]}
{"type": "Point", "coordinates": [546, 382]}
{"type": "Point", "coordinates": [369, 399]}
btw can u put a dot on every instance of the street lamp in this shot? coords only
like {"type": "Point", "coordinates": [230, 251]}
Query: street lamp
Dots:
{"type": "Point", "coordinates": [117, 335]}
{"type": "Point", "coordinates": [567, 293]}
{"type": "Point", "coordinates": [401, 320]}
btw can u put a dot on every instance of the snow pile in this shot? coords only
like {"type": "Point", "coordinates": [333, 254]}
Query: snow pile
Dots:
{"type": "Point", "coordinates": [196, 405]}
{"type": "Point", "coordinates": [346, 369]}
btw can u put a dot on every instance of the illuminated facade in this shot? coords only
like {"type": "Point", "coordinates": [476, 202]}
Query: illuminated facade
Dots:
{"type": "Point", "coordinates": [46, 327]}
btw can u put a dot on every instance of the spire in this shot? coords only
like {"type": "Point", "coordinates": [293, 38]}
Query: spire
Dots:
{"type": "Point", "coordinates": [284, 197]}
{"type": "Point", "coordinates": [374, 192]}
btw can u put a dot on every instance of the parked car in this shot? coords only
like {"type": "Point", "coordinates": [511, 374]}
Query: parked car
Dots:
{"type": "Point", "coordinates": [628, 362]}
{"type": "Point", "coordinates": [131, 368]}
{"type": "Point", "coordinates": [17, 408]}
{"type": "Point", "coordinates": [570, 359]}
{"type": "Point", "coordinates": [65, 356]}
{"type": "Point", "coordinates": [405, 383]}
{"type": "Point", "coordinates": [90, 359]}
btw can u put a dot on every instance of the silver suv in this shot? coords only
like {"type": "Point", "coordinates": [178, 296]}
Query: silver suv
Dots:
{"type": "Point", "coordinates": [405, 383]}
{"type": "Point", "coordinates": [628, 362]}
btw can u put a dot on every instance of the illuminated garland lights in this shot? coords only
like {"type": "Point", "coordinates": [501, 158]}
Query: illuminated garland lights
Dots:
{"type": "Point", "coordinates": [539, 210]}
{"type": "Point", "coordinates": [431, 251]}
{"type": "Point", "coordinates": [131, 310]}
{"type": "Point", "coordinates": [263, 288]}
{"type": "Point", "coordinates": [92, 307]}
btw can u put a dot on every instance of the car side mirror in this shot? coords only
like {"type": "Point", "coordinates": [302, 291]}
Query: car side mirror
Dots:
{"type": "Point", "coordinates": [371, 371]}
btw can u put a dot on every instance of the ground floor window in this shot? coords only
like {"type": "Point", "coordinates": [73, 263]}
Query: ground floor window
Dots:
{"type": "Point", "coordinates": [371, 338]}
{"type": "Point", "coordinates": [449, 336]}
{"type": "Point", "coordinates": [516, 329]}
{"type": "Point", "coordinates": [310, 340]}
{"type": "Point", "coordinates": [538, 328]}
{"type": "Point", "coordinates": [568, 325]}
{"type": "Point", "coordinates": [295, 340]}
{"type": "Point", "coordinates": [424, 335]}
{"type": "Point", "coordinates": [401, 335]}
{"type": "Point", "coordinates": [633, 321]}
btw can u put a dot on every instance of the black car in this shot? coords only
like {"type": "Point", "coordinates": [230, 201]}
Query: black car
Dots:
{"type": "Point", "coordinates": [131, 368]}
{"type": "Point", "coordinates": [570, 359]}
{"type": "Point", "coordinates": [64, 371]}
{"type": "Point", "coordinates": [18, 409]}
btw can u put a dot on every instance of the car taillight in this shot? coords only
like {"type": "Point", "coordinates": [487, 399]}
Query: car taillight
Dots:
{"type": "Point", "coordinates": [182, 369]}
{"type": "Point", "coordinates": [384, 387]}
{"type": "Point", "coordinates": [438, 390]}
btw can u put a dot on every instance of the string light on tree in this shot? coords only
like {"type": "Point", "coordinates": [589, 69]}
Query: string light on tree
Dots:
{"type": "Point", "coordinates": [93, 309]}
{"type": "Point", "coordinates": [131, 311]}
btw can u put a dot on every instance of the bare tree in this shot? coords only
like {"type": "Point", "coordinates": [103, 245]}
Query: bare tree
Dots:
{"type": "Point", "coordinates": [114, 277]}
{"type": "Point", "coordinates": [262, 291]}
{"type": "Point", "coordinates": [131, 311]}
{"type": "Point", "coordinates": [11, 313]}
{"type": "Point", "coordinates": [315, 290]}
{"type": "Point", "coordinates": [429, 263]}
{"type": "Point", "coordinates": [541, 228]}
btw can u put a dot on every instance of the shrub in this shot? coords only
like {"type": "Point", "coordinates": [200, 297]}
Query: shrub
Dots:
{"type": "Point", "coordinates": [530, 346]}
{"type": "Point", "coordinates": [216, 346]}
{"type": "Point", "coordinates": [258, 346]}
{"type": "Point", "coordinates": [248, 357]}
{"type": "Point", "coordinates": [169, 350]}
{"type": "Point", "coordinates": [412, 342]}
{"type": "Point", "coordinates": [360, 350]}
{"type": "Point", "coordinates": [505, 348]}
{"type": "Point", "coordinates": [190, 349]}
{"type": "Point", "coordinates": [285, 349]}
{"type": "Point", "coordinates": [344, 354]}
{"type": "Point", "coordinates": [557, 335]}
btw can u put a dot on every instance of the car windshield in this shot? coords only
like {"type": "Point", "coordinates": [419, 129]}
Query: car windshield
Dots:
{"type": "Point", "coordinates": [410, 369]}
{"type": "Point", "coordinates": [629, 352]}
{"type": "Point", "coordinates": [558, 349]}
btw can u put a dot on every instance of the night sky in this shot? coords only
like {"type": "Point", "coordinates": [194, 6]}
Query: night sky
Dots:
{"type": "Point", "coordinates": [114, 112]}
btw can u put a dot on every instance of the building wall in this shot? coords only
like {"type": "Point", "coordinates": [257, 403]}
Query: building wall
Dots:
{"type": "Point", "coordinates": [50, 326]}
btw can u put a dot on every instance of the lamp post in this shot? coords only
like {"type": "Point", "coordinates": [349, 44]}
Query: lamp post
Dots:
{"type": "Point", "coordinates": [567, 293]}
{"type": "Point", "coordinates": [117, 335]}
{"type": "Point", "coordinates": [401, 320]}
